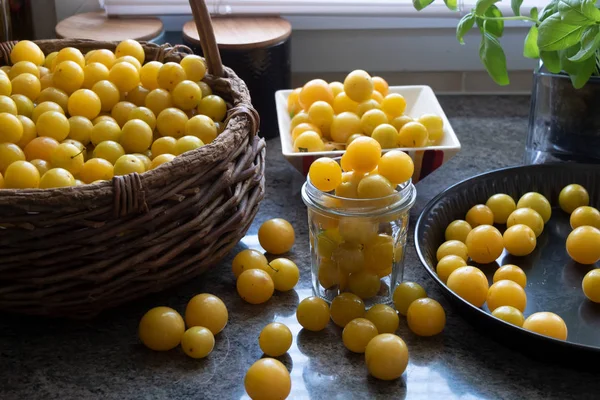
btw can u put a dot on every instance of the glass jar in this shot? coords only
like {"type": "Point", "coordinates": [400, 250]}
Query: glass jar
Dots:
{"type": "Point", "coordinates": [563, 123]}
{"type": "Point", "coordinates": [357, 245]}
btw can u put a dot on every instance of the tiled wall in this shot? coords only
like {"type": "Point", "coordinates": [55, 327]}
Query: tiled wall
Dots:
{"type": "Point", "coordinates": [473, 82]}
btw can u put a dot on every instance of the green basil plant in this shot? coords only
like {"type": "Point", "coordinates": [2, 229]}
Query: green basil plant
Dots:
{"type": "Point", "coordinates": [565, 35]}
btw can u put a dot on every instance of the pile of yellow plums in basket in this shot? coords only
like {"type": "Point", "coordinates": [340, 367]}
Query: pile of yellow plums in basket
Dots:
{"type": "Point", "coordinates": [68, 118]}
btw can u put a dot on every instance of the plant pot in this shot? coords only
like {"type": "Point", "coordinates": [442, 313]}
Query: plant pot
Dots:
{"type": "Point", "coordinates": [564, 122]}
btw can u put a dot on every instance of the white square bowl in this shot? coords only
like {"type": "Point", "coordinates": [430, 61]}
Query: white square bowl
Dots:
{"type": "Point", "coordinates": [419, 100]}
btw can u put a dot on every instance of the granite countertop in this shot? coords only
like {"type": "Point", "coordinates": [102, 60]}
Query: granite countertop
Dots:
{"type": "Point", "coordinates": [103, 359]}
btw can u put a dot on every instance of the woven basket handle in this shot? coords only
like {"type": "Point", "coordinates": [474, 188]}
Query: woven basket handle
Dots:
{"type": "Point", "coordinates": [207, 37]}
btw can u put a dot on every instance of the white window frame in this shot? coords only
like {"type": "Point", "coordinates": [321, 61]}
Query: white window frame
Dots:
{"type": "Point", "coordinates": [354, 9]}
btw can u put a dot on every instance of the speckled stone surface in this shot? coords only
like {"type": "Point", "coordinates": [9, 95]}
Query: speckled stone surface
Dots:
{"type": "Point", "coordinates": [103, 359]}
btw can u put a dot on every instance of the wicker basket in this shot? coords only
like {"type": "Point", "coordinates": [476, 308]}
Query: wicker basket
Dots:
{"type": "Point", "coordinates": [76, 251]}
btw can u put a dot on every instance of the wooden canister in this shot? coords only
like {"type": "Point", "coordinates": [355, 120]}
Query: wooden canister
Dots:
{"type": "Point", "coordinates": [98, 26]}
{"type": "Point", "coordinates": [258, 49]}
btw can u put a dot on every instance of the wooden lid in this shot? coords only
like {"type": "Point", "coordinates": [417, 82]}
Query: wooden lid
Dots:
{"type": "Point", "coordinates": [243, 33]}
{"type": "Point", "coordinates": [97, 26]}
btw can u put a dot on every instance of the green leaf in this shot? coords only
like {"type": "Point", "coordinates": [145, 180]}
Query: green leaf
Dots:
{"type": "Point", "coordinates": [551, 61]}
{"type": "Point", "coordinates": [579, 12]}
{"type": "Point", "coordinates": [451, 4]}
{"type": "Point", "coordinates": [590, 41]}
{"type": "Point", "coordinates": [579, 72]}
{"type": "Point", "coordinates": [493, 26]}
{"type": "Point", "coordinates": [516, 6]}
{"type": "Point", "coordinates": [583, 74]}
{"type": "Point", "coordinates": [555, 34]}
{"type": "Point", "coordinates": [534, 13]}
{"type": "Point", "coordinates": [493, 58]}
{"type": "Point", "coordinates": [549, 10]}
{"type": "Point", "coordinates": [483, 5]}
{"type": "Point", "coordinates": [530, 49]}
{"type": "Point", "coordinates": [464, 25]}
{"type": "Point", "coordinates": [421, 4]}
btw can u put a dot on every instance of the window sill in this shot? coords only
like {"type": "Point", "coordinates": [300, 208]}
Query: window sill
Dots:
{"type": "Point", "coordinates": [326, 23]}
